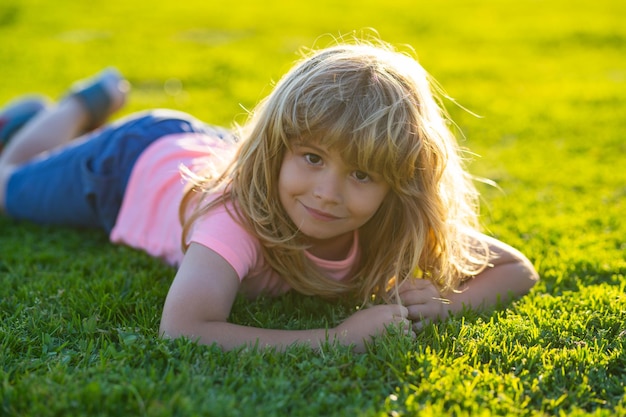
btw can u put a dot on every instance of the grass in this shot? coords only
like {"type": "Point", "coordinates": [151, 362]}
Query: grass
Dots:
{"type": "Point", "coordinates": [79, 317]}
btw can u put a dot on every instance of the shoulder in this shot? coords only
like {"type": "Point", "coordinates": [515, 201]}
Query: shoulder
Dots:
{"type": "Point", "coordinates": [221, 231]}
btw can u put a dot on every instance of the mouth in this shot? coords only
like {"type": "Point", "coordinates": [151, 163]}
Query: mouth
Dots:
{"type": "Point", "coordinates": [320, 215]}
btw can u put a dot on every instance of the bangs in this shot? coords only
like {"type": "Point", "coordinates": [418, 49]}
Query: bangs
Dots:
{"type": "Point", "coordinates": [387, 148]}
{"type": "Point", "coordinates": [380, 117]}
{"type": "Point", "coordinates": [374, 128]}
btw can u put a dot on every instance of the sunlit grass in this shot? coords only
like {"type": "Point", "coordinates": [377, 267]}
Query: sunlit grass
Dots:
{"type": "Point", "coordinates": [79, 317]}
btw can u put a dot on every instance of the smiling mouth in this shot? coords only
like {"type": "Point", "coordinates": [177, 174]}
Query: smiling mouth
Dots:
{"type": "Point", "coordinates": [320, 215]}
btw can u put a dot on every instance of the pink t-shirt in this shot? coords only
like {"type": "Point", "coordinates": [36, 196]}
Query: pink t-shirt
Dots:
{"type": "Point", "coordinates": [148, 217]}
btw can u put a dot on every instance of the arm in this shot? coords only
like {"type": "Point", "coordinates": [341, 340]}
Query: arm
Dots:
{"type": "Point", "coordinates": [200, 299]}
{"type": "Point", "coordinates": [509, 275]}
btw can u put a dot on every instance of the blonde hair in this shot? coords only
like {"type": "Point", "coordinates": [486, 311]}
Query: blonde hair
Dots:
{"type": "Point", "coordinates": [377, 107]}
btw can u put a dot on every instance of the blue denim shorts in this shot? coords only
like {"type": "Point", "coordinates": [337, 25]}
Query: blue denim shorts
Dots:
{"type": "Point", "coordinates": [83, 183]}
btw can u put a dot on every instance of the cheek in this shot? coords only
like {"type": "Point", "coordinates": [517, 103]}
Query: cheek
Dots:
{"type": "Point", "coordinates": [380, 194]}
{"type": "Point", "coordinates": [371, 202]}
{"type": "Point", "coordinates": [287, 180]}
{"type": "Point", "coordinates": [282, 185]}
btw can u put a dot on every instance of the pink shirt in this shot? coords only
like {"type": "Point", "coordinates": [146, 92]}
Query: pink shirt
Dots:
{"type": "Point", "coordinates": [148, 217]}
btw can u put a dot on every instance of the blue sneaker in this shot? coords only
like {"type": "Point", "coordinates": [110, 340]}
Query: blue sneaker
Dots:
{"type": "Point", "coordinates": [17, 113]}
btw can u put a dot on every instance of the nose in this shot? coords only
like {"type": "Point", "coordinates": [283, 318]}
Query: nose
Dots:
{"type": "Point", "coordinates": [328, 188]}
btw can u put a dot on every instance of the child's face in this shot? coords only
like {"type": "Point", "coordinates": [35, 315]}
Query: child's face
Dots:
{"type": "Point", "coordinates": [324, 196]}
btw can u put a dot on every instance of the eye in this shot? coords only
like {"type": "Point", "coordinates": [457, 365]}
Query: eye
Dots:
{"type": "Point", "coordinates": [361, 176]}
{"type": "Point", "coordinates": [313, 159]}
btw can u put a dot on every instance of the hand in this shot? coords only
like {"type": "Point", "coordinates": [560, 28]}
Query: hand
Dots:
{"type": "Point", "coordinates": [423, 302]}
{"type": "Point", "coordinates": [374, 321]}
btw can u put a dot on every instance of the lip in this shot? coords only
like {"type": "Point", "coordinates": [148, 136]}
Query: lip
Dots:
{"type": "Point", "coordinates": [320, 215]}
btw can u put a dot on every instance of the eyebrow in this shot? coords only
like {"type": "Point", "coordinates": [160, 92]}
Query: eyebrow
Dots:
{"type": "Point", "coordinates": [314, 147]}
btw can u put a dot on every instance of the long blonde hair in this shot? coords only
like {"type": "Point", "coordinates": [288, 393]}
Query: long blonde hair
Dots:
{"type": "Point", "coordinates": [378, 108]}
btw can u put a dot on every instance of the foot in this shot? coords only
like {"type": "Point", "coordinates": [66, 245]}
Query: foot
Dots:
{"type": "Point", "coordinates": [17, 113]}
{"type": "Point", "coordinates": [101, 95]}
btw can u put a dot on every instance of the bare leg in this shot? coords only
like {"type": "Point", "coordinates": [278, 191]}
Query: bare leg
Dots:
{"type": "Point", "coordinates": [49, 129]}
{"type": "Point", "coordinates": [52, 128]}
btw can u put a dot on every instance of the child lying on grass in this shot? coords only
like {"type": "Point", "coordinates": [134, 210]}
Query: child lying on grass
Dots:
{"type": "Point", "coordinates": [345, 181]}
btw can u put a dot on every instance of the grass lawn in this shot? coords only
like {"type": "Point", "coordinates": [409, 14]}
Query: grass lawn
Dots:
{"type": "Point", "coordinates": [79, 317]}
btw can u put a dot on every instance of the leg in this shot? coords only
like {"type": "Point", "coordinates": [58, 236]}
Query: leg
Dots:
{"type": "Point", "coordinates": [49, 129]}
{"type": "Point", "coordinates": [84, 108]}
{"type": "Point", "coordinates": [18, 113]}
{"type": "Point", "coordinates": [83, 183]}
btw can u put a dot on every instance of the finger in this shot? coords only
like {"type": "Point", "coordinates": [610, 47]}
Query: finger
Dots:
{"type": "Point", "coordinates": [405, 327]}
{"type": "Point", "coordinates": [416, 297]}
{"type": "Point", "coordinates": [415, 312]}
{"type": "Point", "coordinates": [399, 326]}
{"type": "Point", "coordinates": [408, 331]}
{"type": "Point", "coordinates": [420, 296]}
{"type": "Point", "coordinates": [424, 311]}
{"type": "Point", "coordinates": [400, 311]}
{"type": "Point", "coordinates": [418, 326]}
{"type": "Point", "coordinates": [400, 322]}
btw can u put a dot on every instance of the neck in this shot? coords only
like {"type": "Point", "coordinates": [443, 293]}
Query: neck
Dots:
{"type": "Point", "coordinates": [335, 249]}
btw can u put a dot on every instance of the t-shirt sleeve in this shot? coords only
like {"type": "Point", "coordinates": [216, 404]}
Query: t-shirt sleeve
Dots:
{"type": "Point", "coordinates": [218, 231]}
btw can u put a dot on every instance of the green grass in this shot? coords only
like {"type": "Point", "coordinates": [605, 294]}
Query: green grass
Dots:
{"type": "Point", "coordinates": [79, 317]}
